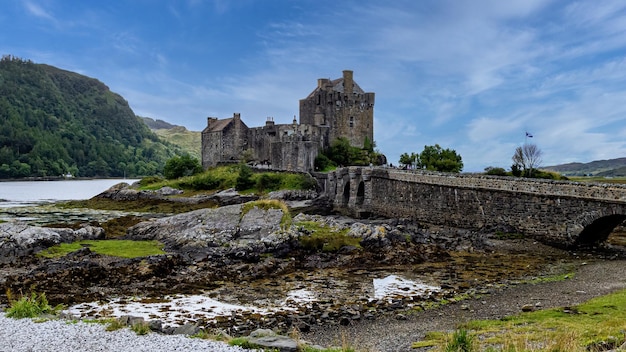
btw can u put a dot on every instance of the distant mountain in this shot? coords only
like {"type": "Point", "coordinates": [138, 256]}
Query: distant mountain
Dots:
{"type": "Point", "coordinates": [55, 122]}
{"type": "Point", "coordinates": [157, 124]}
{"type": "Point", "coordinates": [611, 167]}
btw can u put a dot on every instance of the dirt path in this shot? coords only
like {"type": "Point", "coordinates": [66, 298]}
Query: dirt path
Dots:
{"type": "Point", "coordinates": [593, 278]}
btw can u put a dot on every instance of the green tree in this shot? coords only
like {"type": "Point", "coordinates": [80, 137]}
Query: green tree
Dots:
{"type": "Point", "coordinates": [179, 166]}
{"type": "Point", "coordinates": [244, 179]}
{"type": "Point", "coordinates": [408, 160]}
{"type": "Point", "coordinates": [435, 158]}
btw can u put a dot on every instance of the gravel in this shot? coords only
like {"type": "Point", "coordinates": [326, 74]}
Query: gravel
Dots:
{"type": "Point", "coordinates": [396, 333]}
{"type": "Point", "coordinates": [17, 335]}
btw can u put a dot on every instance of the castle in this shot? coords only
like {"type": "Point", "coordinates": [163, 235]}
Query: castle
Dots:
{"type": "Point", "coordinates": [336, 108]}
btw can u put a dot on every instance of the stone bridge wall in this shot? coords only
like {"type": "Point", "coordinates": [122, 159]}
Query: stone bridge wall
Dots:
{"type": "Point", "coordinates": [554, 212]}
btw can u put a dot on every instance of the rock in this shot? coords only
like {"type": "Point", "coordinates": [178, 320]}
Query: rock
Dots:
{"type": "Point", "coordinates": [156, 325]}
{"type": "Point", "coordinates": [273, 341]}
{"type": "Point", "coordinates": [187, 329]}
{"type": "Point", "coordinates": [231, 197]}
{"type": "Point", "coordinates": [168, 191]}
{"type": "Point", "coordinates": [262, 333]}
{"type": "Point", "coordinates": [19, 239]}
{"type": "Point", "coordinates": [528, 308]}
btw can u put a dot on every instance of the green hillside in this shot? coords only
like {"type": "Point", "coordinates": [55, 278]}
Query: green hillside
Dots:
{"type": "Point", "coordinates": [188, 141]}
{"type": "Point", "coordinates": [55, 122]}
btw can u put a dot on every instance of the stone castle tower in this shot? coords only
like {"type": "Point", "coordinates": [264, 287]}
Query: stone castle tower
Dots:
{"type": "Point", "coordinates": [336, 108]}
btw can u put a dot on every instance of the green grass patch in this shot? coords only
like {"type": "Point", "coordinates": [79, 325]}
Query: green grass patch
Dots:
{"type": "Point", "coordinates": [325, 238]}
{"type": "Point", "coordinates": [142, 328]}
{"type": "Point", "coordinates": [115, 248]}
{"type": "Point", "coordinates": [30, 306]}
{"type": "Point", "coordinates": [596, 325]}
{"type": "Point", "coordinates": [225, 177]}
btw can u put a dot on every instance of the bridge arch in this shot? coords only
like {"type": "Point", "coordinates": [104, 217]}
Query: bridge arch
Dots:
{"type": "Point", "coordinates": [599, 229]}
{"type": "Point", "coordinates": [345, 198]}
{"type": "Point", "coordinates": [360, 194]}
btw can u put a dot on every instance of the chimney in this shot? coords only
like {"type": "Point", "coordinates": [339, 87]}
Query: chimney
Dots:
{"type": "Point", "coordinates": [236, 116]}
{"type": "Point", "coordinates": [321, 82]}
{"type": "Point", "coordinates": [210, 120]}
{"type": "Point", "coordinates": [348, 83]}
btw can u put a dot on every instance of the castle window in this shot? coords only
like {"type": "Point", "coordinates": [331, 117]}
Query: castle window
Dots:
{"type": "Point", "coordinates": [351, 121]}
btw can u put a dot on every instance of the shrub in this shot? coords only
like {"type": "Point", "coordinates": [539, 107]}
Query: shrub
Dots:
{"type": "Point", "coordinates": [244, 180]}
{"type": "Point", "coordinates": [179, 166]}
{"type": "Point", "coordinates": [29, 306]}
{"type": "Point", "coordinates": [141, 328]}
{"type": "Point", "coordinates": [495, 171]}
{"type": "Point", "coordinates": [268, 182]}
{"type": "Point", "coordinates": [461, 341]}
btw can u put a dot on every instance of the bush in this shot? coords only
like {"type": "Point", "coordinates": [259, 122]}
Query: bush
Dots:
{"type": "Point", "coordinates": [244, 180]}
{"type": "Point", "coordinates": [268, 182]}
{"type": "Point", "coordinates": [179, 166]}
{"type": "Point", "coordinates": [29, 306]}
{"type": "Point", "coordinates": [461, 341]}
{"type": "Point", "coordinates": [495, 171]}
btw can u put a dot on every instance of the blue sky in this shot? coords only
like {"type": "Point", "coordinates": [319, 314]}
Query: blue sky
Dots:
{"type": "Point", "coordinates": [473, 76]}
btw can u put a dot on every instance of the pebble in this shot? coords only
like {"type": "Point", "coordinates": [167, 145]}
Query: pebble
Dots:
{"type": "Point", "coordinates": [22, 335]}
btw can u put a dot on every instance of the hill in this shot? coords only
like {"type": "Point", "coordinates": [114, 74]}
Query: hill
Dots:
{"type": "Point", "coordinates": [611, 167]}
{"type": "Point", "coordinates": [157, 124]}
{"type": "Point", "coordinates": [188, 141]}
{"type": "Point", "coordinates": [56, 122]}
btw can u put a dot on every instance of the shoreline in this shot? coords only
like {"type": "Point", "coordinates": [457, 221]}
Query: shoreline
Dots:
{"type": "Point", "coordinates": [593, 278]}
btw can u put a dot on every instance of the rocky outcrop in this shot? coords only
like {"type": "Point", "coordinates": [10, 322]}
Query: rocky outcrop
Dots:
{"type": "Point", "coordinates": [124, 192]}
{"type": "Point", "coordinates": [19, 240]}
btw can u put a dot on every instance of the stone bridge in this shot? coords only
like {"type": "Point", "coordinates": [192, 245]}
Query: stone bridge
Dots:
{"type": "Point", "coordinates": [559, 213]}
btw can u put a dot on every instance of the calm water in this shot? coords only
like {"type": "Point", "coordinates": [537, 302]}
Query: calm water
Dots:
{"type": "Point", "coordinates": [26, 193]}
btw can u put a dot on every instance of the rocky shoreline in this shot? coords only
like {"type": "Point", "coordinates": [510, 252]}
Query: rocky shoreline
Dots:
{"type": "Point", "coordinates": [248, 251]}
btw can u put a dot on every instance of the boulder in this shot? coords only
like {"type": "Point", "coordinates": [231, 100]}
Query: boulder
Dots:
{"type": "Point", "coordinates": [223, 230]}
{"type": "Point", "coordinates": [267, 339]}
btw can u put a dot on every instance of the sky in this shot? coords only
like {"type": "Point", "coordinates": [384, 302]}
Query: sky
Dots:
{"type": "Point", "coordinates": [473, 76]}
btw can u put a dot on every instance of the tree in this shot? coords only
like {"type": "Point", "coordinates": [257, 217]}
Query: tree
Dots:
{"type": "Point", "coordinates": [526, 159]}
{"type": "Point", "coordinates": [435, 158]}
{"type": "Point", "coordinates": [179, 166]}
{"type": "Point", "coordinates": [408, 160]}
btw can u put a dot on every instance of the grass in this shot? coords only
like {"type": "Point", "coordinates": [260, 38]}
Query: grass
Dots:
{"type": "Point", "coordinates": [225, 177]}
{"type": "Point", "coordinates": [325, 238]}
{"type": "Point", "coordinates": [30, 306]}
{"type": "Point", "coordinates": [142, 328]}
{"type": "Point", "coordinates": [115, 248]}
{"type": "Point", "coordinates": [597, 325]}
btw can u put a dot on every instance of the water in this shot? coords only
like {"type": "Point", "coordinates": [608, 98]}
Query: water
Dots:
{"type": "Point", "coordinates": [29, 193]}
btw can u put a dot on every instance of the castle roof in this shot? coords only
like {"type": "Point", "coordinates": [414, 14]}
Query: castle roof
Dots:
{"type": "Point", "coordinates": [338, 87]}
{"type": "Point", "coordinates": [219, 125]}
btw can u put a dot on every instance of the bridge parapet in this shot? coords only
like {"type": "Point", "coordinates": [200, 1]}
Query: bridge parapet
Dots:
{"type": "Point", "coordinates": [597, 191]}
